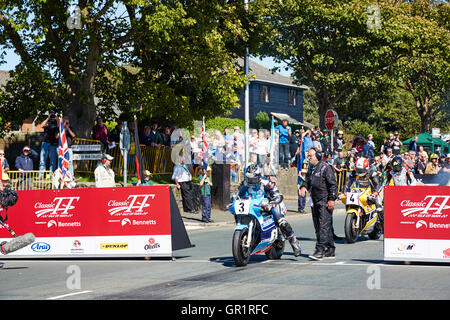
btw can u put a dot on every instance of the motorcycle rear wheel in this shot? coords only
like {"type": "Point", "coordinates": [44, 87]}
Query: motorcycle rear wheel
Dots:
{"type": "Point", "coordinates": [241, 253]}
{"type": "Point", "coordinates": [276, 251]}
{"type": "Point", "coordinates": [351, 229]}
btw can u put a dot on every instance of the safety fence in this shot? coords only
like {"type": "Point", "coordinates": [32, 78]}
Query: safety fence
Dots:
{"type": "Point", "coordinates": [156, 159]}
{"type": "Point", "coordinates": [31, 180]}
{"type": "Point", "coordinates": [342, 178]}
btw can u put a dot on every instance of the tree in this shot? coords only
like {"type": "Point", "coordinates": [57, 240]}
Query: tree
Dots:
{"type": "Point", "coordinates": [328, 45]}
{"type": "Point", "coordinates": [424, 70]}
{"type": "Point", "coordinates": [181, 55]}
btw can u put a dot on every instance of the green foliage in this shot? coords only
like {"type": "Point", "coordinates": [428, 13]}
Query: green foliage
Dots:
{"type": "Point", "coordinates": [220, 123]}
{"type": "Point", "coordinates": [261, 121]}
{"type": "Point", "coordinates": [181, 59]}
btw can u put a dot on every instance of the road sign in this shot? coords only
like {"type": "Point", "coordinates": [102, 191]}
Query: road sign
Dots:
{"type": "Point", "coordinates": [86, 147]}
{"type": "Point", "coordinates": [331, 119]}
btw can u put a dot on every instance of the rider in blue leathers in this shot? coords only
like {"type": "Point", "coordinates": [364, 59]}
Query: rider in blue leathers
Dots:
{"type": "Point", "coordinates": [254, 183]}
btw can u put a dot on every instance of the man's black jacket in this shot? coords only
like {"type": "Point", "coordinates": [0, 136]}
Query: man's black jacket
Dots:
{"type": "Point", "coordinates": [321, 182]}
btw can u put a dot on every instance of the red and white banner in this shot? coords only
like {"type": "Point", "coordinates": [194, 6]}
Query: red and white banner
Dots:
{"type": "Point", "coordinates": [417, 223]}
{"type": "Point", "coordinates": [124, 221]}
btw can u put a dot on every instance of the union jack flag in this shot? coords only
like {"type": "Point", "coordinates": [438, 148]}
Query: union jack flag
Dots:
{"type": "Point", "coordinates": [63, 152]}
{"type": "Point", "coordinates": [204, 147]}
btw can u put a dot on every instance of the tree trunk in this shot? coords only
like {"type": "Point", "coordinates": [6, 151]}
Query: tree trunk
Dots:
{"type": "Point", "coordinates": [81, 110]}
{"type": "Point", "coordinates": [324, 104]}
{"type": "Point", "coordinates": [425, 114]}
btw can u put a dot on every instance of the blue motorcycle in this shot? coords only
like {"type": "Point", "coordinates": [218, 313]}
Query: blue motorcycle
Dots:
{"type": "Point", "coordinates": [255, 231]}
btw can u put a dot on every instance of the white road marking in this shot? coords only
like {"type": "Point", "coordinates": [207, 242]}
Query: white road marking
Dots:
{"type": "Point", "coordinates": [69, 295]}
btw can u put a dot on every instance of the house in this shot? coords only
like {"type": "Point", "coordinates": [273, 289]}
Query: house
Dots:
{"type": "Point", "coordinates": [272, 93]}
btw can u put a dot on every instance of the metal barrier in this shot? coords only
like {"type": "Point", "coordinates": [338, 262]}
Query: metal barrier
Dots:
{"type": "Point", "coordinates": [31, 180]}
{"type": "Point", "coordinates": [342, 178]}
{"type": "Point", "coordinates": [156, 159]}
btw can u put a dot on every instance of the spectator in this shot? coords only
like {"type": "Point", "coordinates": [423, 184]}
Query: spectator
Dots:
{"type": "Point", "coordinates": [413, 144]}
{"type": "Point", "coordinates": [70, 135]}
{"type": "Point", "coordinates": [420, 164]}
{"type": "Point", "coordinates": [433, 166]}
{"type": "Point", "coordinates": [114, 135]}
{"type": "Point", "coordinates": [358, 144]}
{"type": "Point", "coordinates": [283, 145]}
{"type": "Point", "coordinates": [50, 143]}
{"type": "Point", "coordinates": [423, 153]}
{"type": "Point", "coordinates": [261, 148]}
{"type": "Point", "coordinates": [182, 177]}
{"type": "Point", "coordinates": [100, 132]}
{"type": "Point", "coordinates": [446, 165]}
{"type": "Point", "coordinates": [410, 161]}
{"type": "Point", "coordinates": [369, 148]}
{"type": "Point", "coordinates": [339, 163]}
{"type": "Point", "coordinates": [237, 135]}
{"type": "Point", "coordinates": [324, 140]}
{"type": "Point", "coordinates": [300, 181]}
{"type": "Point", "coordinates": [145, 137]}
{"type": "Point", "coordinates": [104, 174]}
{"type": "Point", "coordinates": [293, 145]}
{"type": "Point", "coordinates": [205, 190]}
{"type": "Point", "coordinates": [24, 162]}
{"type": "Point", "coordinates": [4, 162]}
{"type": "Point", "coordinates": [155, 137]}
{"type": "Point", "coordinates": [253, 140]}
{"type": "Point", "coordinates": [307, 143]}
{"type": "Point", "coordinates": [147, 181]}
{"type": "Point", "coordinates": [316, 143]}
{"type": "Point", "coordinates": [338, 143]}
{"type": "Point", "coordinates": [388, 156]}
{"type": "Point", "coordinates": [166, 136]}
{"type": "Point", "coordinates": [227, 136]}
{"type": "Point", "coordinates": [234, 158]}
{"type": "Point", "coordinates": [396, 145]}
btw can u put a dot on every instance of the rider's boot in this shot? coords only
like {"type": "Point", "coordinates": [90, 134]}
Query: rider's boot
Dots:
{"type": "Point", "coordinates": [295, 244]}
{"type": "Point", "coordinates": [289, 233]}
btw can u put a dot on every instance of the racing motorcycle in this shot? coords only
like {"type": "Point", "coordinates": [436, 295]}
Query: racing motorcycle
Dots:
{"type": "Point", "coordinates": [362, 215]}
{"type": "Point", "coordinates": [255, 231]}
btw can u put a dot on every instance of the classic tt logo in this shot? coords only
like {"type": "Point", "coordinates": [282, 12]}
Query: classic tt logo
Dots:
{"type": "Point", "coordinates": [60, 205]}
{"type": "Point", "coordinates": [435, 205]}
{"type": "Point", "coordinates": [131, 205]}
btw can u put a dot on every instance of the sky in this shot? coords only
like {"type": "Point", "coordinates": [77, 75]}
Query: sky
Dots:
{"type": "Point", "coordinates": [12, 59]}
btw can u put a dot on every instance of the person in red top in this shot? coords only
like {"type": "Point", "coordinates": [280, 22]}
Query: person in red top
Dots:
{"type": "Point", "coordinates": [358, 144]}
{"type": "Point", "coordinates": [100, 132]}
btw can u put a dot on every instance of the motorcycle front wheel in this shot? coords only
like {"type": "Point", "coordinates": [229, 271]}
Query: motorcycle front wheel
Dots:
{"type": "Point", "coordinates": [351, 229]}
{"type": "Point", "coordinates": [241, 253]}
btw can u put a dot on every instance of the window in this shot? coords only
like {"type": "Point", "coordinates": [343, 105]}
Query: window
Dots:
{"type": "Point", "coordinates": [264, 94]}
{"type": "Point", "coordinates": [292, 97]}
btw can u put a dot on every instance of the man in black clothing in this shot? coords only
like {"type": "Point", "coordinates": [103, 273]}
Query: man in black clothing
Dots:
{"type": "Point", "coordinates": [321, 183]}
{"type": "Point", "coordinates": [50, 143]}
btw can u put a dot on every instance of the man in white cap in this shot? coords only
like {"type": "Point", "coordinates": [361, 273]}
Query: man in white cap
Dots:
{"type": "Point", "coordinates": [338, 144]}
{"type": "Point", "coordinates": [104, 174]}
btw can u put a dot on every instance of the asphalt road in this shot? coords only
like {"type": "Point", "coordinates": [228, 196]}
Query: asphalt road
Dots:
{"type": "Point", "coordinates": [207, 272]}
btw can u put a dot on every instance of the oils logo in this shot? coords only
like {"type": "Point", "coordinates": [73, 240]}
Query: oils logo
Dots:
{"type": "Point", "coordinates": [113, 246]}
{"type": "Point", "coordinates": [446, 253]}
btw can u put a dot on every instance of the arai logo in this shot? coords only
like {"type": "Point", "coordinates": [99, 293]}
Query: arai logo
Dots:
{"type": "Point", "coordinates": [40, 247]}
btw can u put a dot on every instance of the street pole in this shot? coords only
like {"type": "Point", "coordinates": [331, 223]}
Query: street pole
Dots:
{"type": "Point", "coordinates": [124, 145]}
{"type": "Point", "coordinates": [246, 102]}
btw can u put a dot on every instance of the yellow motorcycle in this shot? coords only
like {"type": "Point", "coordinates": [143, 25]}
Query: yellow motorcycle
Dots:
{"type": "Point", "coordinates": [361, 212]}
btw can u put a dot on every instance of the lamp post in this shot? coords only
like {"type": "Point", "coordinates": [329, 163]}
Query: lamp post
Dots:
{"type": "Point", "coordinates": [246, 103]}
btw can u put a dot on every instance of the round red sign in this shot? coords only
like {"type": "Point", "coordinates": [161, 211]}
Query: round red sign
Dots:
{"type": "Point", "coordinates": [330, 119]}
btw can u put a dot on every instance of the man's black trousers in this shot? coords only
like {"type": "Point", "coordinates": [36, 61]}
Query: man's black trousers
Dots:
{"type": "Point", "coordinates": [323, 225]}
{"type": "Point", "coordinates": [187, 196]}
